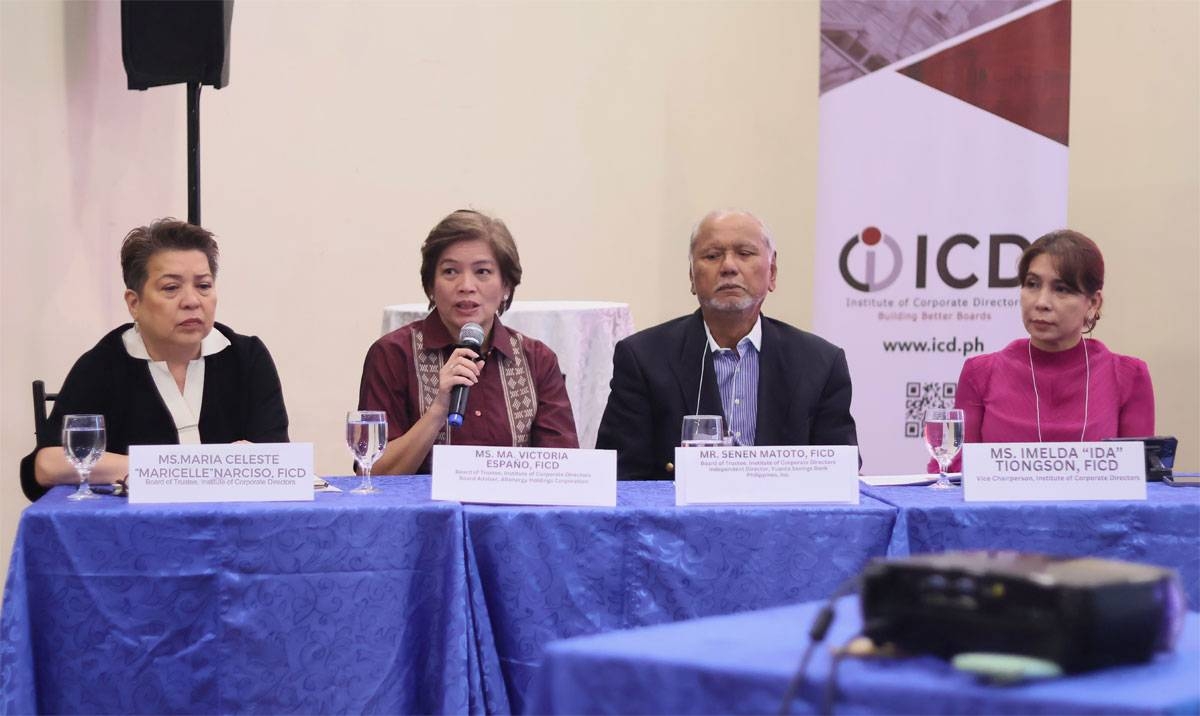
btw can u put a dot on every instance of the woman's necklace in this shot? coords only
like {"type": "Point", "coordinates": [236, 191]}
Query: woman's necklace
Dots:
{"type": "Point", "coordinates": [1087, 387]}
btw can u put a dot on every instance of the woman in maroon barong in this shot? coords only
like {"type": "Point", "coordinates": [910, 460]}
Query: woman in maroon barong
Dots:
{"type": "Point", "coordinates": [470, 269]}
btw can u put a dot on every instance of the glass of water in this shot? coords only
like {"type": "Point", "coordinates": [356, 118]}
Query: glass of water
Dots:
{"type": "Point", "coordinates": [943, 429]}
{"type": "Point", "coordinates": [366, 436]}
{"type": "Point", "coordinates": [701, 431]}
{"type": "Point", "coordinates": [83, 440]}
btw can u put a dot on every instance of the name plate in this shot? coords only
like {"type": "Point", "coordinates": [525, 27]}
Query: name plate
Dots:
{"type": "Point", "coordinates": [525, 476]}
{"type": "Point", "coordinates": [248, 472]}
{"type": "Point", "coordinates": [765, 475]}
{"type": "Point", "coordinates": [1040, 472]}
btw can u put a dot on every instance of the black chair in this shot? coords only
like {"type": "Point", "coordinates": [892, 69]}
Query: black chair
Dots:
{"type": "Point", "coordinates": [40, 428]}
{"type": "Point", "coordinates": [40, 419]}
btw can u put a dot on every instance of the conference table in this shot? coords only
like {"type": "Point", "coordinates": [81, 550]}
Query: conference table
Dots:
{"type": "Point", "coordinates": [342, 604]}
{"type": "Point", "coordinates": [397, 603]}
{"type": "Point", "coordinates": [743, 663]}
{"type": "Point", "coordinates": [551, 573]}
{"type": "Point", "coordinates": [388, 603]}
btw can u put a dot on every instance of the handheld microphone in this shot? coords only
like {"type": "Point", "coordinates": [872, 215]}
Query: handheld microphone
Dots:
{"type": "Point", "coordinates": [470, 336]}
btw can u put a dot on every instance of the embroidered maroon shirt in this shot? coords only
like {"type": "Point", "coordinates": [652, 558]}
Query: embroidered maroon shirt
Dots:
{"type": "Point", "coordinates": [499, 405]}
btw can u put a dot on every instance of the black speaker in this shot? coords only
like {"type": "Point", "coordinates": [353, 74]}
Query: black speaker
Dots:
{"type": "Point", "coordinates": [166, 42]}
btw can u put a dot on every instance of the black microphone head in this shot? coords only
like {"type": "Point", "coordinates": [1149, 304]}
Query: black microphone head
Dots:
{"type": "Point", "coordinates": [471, 336]}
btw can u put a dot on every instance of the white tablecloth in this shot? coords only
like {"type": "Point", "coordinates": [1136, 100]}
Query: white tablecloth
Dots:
{"type": "Point", "coordinates": [582, 333]}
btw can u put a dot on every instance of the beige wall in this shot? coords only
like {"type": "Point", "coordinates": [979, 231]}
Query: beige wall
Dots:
{"type": "Point", "coordinates": [597, 130]}
{"type": "Point", "coordinates": [1135, 187]}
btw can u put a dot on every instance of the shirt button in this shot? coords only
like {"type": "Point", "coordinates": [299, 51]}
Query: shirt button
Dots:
{"type": "Point", "coordinates": [478, 413]}
{"type": "Point", "coordinates": [737, 434]}
{"type": "Point", "coordinates": [737, 401]}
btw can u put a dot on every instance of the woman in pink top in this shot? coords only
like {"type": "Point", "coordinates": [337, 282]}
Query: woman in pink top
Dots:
{"type": "Point", "coordinates": [1057, 385]}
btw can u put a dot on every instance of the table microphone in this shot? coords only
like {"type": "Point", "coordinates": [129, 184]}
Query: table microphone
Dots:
{"type": "Point", "coordinates": [471, 336]}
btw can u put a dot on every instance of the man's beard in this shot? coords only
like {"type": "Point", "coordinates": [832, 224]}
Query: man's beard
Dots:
{"type": "Point", "coordinates": [730, 303]}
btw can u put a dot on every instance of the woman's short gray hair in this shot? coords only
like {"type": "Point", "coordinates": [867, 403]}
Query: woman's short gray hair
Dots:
{"type": "Point", "coordinates": [166, 234]}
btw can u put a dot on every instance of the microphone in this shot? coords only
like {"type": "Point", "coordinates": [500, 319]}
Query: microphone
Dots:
{"type": "Point", "coordinates": [470, 336]}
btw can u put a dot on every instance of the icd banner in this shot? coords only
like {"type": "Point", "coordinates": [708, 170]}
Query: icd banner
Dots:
{"type": "Point", "coordinates": [942, 154]}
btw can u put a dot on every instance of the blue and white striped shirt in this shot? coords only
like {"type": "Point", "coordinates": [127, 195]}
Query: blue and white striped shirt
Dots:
{"type": "Point", "coordinates": [737, 379]}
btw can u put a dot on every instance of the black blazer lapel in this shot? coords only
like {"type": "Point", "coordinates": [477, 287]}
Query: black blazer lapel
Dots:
{"type": "Point", "coordinates": [693, 347]}
{"type": "Point", "coordinates": [774, 387]}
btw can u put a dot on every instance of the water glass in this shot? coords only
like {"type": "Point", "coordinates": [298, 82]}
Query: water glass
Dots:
{"type": "Point", "coordinates": [943, 430]}
{"type": "Point", "coordinates": [702, 431]}
{"type": "Point", "coordinates": [366, 436]}
{"type": "Point", "coordinates": [84, 440]}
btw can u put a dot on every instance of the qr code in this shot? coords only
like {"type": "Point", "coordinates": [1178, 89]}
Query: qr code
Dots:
{"type": "Point", "coordinates": [920, 396]}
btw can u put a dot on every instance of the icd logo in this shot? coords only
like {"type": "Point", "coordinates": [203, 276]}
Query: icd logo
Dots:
{"type": "Point", "coordinates": [871, 237]}
{"type": "Point", "coordinates": [873, 240]}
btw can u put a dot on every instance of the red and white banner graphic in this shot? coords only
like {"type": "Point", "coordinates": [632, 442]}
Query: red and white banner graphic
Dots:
{"type": "Point", "coordinates": [943, 153]}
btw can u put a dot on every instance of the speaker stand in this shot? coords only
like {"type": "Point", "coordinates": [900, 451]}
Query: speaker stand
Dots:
{"type": "Point", "coordinates": [193, 152]}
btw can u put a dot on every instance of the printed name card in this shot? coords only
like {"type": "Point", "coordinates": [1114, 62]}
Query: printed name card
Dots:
{"type": "Point", "coordinates": [249, 472]}
{"type": "Point", "coordinates": [764, 475]}
{"type": "Point", "coordinates": [1039, 472]}
{"type": "Point", "coordinates": [525, 476]}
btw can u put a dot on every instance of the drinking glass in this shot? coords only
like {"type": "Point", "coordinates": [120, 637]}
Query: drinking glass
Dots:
{"type": "Point", "coordinates": [943, 429]}
{"type": "Point", "coordinates": [366, 435]}
{"type": "Point", "coordinates": [701, 431]}
{"type": "Point", "coordinates": [83, 440]}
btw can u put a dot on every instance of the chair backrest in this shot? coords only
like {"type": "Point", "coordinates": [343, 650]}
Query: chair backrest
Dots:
{"type": "Point", "coordinates": [40, 419]}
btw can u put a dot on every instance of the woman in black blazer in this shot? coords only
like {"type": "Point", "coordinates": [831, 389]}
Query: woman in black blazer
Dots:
{"type": "Point", "coordinates": [168, 377]}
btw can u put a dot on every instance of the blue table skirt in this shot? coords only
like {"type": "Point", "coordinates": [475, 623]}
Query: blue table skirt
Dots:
{"type": "Point", "coordinates": [1163, 530]}
{"type": "Point", "coordinates": [344, 604]}
{"type": "Point", "coordinates": [550, 573]}
{"type": "Point", "coordinates": [741, 664]}
{"type": "Point", "coordinates": [394, 603]}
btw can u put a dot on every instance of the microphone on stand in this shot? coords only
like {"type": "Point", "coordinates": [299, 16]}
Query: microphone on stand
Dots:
{"type": "Point", "coordinates": [470, 336]}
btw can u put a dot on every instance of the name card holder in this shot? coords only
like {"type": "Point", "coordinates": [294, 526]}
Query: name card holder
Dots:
{"type": "Point", "coordinates": [766, 475]}
{"type": "Point", "coordinates": [1053, 472]}
{"type": "Point", "coordinates": [525, 476]}
{"type": "Point", "coordinates": [248, 472]}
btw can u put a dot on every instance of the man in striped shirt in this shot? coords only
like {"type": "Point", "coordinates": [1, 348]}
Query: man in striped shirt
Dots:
{"type": "Point", "coordinates": [774, 384]}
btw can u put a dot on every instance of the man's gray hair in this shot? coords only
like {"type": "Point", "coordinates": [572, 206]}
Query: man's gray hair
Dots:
{"type": "Point", "coordinates": [717, 215]}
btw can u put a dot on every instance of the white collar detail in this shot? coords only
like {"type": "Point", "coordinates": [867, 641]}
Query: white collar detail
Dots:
{"type": "Point", "coordinates": [755, 337]}
{"type": "Point", "coordinates": [214, 342]}
{"type": "Point", "coordinates": [184, 406]}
